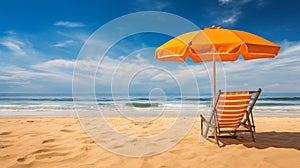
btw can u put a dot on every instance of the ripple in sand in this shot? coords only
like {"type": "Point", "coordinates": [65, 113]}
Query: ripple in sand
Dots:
{"type": "Point", "coordinates": [41, 151]}
{"type": "Point", "coordinates": [21, 159]}
{"type": "Point", "coordinates": [66, 130]}
{"type": "Point", "coordinates": [5, 133]}
{"type": "Point", "coordinates": [51, 155]}
{"type": "Point", "coordinates": [48, 141]}
{"type": "Point", "coordinates": [4, 146]}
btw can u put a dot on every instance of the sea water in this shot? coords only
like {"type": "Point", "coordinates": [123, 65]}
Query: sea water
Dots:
{"type": "Point", "coordinates": [45, 104]}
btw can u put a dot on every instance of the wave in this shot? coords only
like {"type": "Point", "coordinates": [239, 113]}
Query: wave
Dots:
{"type": "Point", "coordinates": [142, 105]}
{"type": "Point", "coordinates": [45, 98]}
{"type": "Point", "coordinates": [142, 98]}
{"type": "Point", "coordinates": [140, 101]}
{"type": "Point", "coordinates": [280, 98]}
{"type": "Point", "coordinates": [275, 104]}
{"type": "Point", "coordinates": [36, 99]}
{"type": "Point", "coordinates": [59, 99]}
{"type": "Point", "coordinates": [195, 99]}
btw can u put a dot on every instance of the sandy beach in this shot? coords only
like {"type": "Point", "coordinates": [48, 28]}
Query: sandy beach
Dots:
{"type": "Point", "coordinates": [62, 142]}
{"type": "Point", "coordinates": [100, 84]}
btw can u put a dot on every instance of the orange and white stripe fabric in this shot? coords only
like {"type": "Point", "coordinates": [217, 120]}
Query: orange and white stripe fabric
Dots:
{"type": "Point", "coordinates": [231, 108]}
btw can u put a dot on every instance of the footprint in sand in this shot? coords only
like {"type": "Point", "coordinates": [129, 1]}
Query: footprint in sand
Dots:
{"type": "Point", "coordinates": [5, 133]}
{"type": "Point", "coordinates": [85, 140]}
{"type": "Point", "coordinates": [90, 141]}
{"type": "Point", "coordinates": [84, 148]}
{"type": "Point", "coordinates": [66, 130]}
{"type": "Point", "coordinates": [41, 151]}
{"type": "Point", "coordinates": [4, 146]}
{"type": "Point", "coordinates": [51, 155]}
{"type": "Point", "coordinates": [21, 159]}
{"type": "Point", "coordinates": [48, 140]}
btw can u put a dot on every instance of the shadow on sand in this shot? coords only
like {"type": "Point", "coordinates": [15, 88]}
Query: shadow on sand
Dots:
{"type": "Point", "coordinates": [266, 140]}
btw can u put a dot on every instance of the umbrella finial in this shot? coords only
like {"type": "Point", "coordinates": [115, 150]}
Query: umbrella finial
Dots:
{"type": "Point", "coordinates": [214, 27]}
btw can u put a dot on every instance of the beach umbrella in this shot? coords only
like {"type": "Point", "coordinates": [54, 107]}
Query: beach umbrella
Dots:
{"type": "Point", "coordinates": [216, 44]}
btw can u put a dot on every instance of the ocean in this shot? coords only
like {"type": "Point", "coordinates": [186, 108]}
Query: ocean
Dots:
{"type": "Point", "coordinates": [61, 105]}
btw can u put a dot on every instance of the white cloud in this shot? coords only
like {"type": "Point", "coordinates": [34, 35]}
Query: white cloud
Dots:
{"type": "Point", "coordinates": [10, 32]}
{"type": "Point", "coordinates": [54, 65]}
{"type": "Point", "coordinates": [118, 73]}
{"type": "Point", "coordinates": [272, 86]}
{"type": "Point", "coordinates": [69, 24]}
{"type": "Point", "coordinates": [237, 2]}
{"type": "Point", "coordinates": [160, 77]}
{"type": "Point", "coordinates": [135, 71]}
{"type": "Point", "coordinates": [14, 74]}
{"type": "Point", "coordinates": [292, 49]}
{"type": "Point", "coordinates": [160, 5]}
{"type": "Point", "coordinates": [64, 43]}
{"type": "Point", "coordinates": [74, 35]}
{"type": "Point", "coordinates": [279, 74]}
{"type": "Point", "coordinates": [230, 20]}
{"type": "Point", "coordinates": [222, 2]}
{"type": "Point", "coordinates": [231, 11]}
{"type": "Point", "coordinates": [151, 5]}
{"type": "Point", "coordinates": [15, 46]}
{"type": "Point", "coordinates": [16, 79]}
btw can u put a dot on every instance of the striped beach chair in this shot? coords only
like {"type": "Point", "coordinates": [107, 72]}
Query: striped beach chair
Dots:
{"type": "Point", "coordinates": [232, 113]}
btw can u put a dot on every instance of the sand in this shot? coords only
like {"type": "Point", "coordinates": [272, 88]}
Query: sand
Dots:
{"type": "Point", "coordinates": [62, 142]}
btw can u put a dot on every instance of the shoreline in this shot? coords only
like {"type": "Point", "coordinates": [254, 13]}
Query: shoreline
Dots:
{"type": "Point", "coordinates": [24, 113]}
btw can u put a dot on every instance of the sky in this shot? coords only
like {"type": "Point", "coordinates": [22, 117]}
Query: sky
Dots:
{"type": "Point", "coordinates": [40, 42]}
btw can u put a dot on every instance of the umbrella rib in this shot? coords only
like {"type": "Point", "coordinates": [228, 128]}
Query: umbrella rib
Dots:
{"type": "Point", "coordinates": [177, 55]}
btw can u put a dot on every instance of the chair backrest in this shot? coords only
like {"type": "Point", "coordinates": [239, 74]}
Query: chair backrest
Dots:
{"type": "Point", "coordinates": [231, 108]}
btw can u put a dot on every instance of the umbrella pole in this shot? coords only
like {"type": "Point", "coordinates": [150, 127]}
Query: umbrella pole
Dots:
{"type": "Point", "coordinates": [214, 76]}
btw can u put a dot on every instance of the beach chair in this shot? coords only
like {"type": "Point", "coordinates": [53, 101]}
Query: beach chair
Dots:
{"type": "Point", "coordinates": [232, 113]}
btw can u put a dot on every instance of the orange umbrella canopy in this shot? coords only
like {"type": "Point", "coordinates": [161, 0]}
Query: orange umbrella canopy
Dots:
{"type": "Point", "coordinates": [223, 44]}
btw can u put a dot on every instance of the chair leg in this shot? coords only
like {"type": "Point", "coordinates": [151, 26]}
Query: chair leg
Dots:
{"type": "Point", "coordinates": [216, 137]}
{"type": "Point", "coordinates": [252, 125]}
{"type": "Point", "coordinates": [252, 134]}
{"type": "Point", "coordinates": [234, 135]}
{"type": "Point", "coordinates": [252, 131]}
{"type": "Point", "coordinates": [201, 127]}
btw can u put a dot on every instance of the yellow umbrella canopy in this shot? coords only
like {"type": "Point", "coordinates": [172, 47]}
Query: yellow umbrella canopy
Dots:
{"type": "Point", "coordinates": [216, 44]}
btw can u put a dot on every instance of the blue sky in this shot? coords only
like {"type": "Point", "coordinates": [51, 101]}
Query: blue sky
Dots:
{"type": "Point", "coordinates": [40, 41]}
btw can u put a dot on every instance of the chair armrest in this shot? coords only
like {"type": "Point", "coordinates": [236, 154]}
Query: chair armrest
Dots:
{"type": "Point", "coordinates": [208, 125]}
{"type": "Point", "coordinates": [204, 119]}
